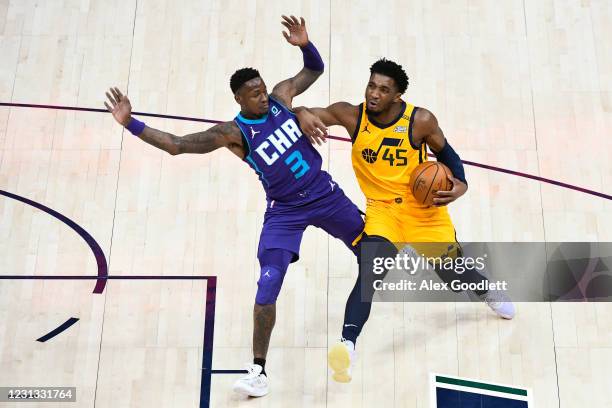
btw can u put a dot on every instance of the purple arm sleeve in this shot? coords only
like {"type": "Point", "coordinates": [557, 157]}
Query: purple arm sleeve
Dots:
{"type": "Point", "coordinates": [312, 59]}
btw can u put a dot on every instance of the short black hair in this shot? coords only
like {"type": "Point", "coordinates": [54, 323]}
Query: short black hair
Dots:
{"type": "Point", "coordinates": [241, 76]}
{"type": "Point", "coordinates": [392, 70]}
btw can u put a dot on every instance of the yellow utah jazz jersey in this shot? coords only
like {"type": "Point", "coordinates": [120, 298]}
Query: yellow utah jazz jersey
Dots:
{"type": "Point", "coordinates": [384, 156]}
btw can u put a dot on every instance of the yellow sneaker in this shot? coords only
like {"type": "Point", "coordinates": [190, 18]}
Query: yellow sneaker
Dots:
{"type": "Point", "coordinates": [339, 358]}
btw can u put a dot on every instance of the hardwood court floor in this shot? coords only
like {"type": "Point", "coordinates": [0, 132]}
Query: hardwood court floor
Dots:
{"type": "Point", "coordinates": [523, 85]}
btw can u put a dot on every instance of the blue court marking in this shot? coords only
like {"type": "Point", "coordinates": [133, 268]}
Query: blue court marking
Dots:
{"type": "Point", "coordinates": [207, 352]}
{"type": "Point", "coordinates": [447, 398]}
{"type": "Point", "coordinates": [209, 319]}
{"type": "Point", "coordinates": [58, 330]}
{"type": "Point", "coordinates": [93, 244]}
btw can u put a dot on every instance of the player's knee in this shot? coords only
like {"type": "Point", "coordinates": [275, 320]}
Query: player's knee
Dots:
{"type": "Point", "coordinates": [373, 249]}
{"type": "Point", "coordinates": [269, 285]}
{"type": "Point", "coordinates": [355, 247]}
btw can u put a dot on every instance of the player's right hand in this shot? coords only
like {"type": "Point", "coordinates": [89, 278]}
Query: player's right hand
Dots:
{"type": "Point", "coordinates": [442, 198]}
{"type": "Point", "coordinates": [121, 107]}
{"type": "Point", "coordinates": [312, 126]}
{"type": "Point", "coordinates": [297, 31]}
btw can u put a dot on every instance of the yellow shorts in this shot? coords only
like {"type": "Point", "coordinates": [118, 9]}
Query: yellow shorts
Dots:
{"type": "Point", "coordinates": [404, 223]}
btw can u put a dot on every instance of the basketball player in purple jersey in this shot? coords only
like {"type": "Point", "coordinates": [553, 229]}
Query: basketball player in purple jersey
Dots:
{"type": "Point", "coordinates": [266, 135]}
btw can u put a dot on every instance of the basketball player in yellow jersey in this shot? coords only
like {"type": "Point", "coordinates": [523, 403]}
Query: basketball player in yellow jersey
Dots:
{"type": "Point", "coordinates": [390, 138]}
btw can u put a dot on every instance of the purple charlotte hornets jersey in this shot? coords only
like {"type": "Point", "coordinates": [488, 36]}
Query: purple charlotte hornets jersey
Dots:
{"type": "Point", "coordinates": [284, 159]}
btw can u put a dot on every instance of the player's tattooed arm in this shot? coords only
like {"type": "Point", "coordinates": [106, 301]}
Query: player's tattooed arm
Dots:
{"type": "Point", "coordinates": [225, 134]}
{"type": "Point", "coordinates": [286, 90]}
{"type": "Point", "coordinates": [427, 130]}
{"type": "Point", "coordinates": [314, 121]}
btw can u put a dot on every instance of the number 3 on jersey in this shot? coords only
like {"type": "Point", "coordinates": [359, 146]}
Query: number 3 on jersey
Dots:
{"type": "Point", "coordinates": [298, 165]}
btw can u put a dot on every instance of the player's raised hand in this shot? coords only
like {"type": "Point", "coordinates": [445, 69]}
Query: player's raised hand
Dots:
{"type": "Point", "coordinates": [312, 126]}
{"type": "Point", "coordinates": [121, 107]}
{"type": "Point", "coordinates": [297, 31]}
{"type": "Point", "coordinates": [442, 198]}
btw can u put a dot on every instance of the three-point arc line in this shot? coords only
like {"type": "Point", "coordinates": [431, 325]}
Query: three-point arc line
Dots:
{"type": "Point", "coordinates": [344, 139]}
{"type": "Point", "coordinates": [91, 242]}
{"type": "Point", "coordinates": [102, 277]}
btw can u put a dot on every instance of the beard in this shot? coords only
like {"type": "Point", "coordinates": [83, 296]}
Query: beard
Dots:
{"type": "Point", "coordinates": [372, 113]}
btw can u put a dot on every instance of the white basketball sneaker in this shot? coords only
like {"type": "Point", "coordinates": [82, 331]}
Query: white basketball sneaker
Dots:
{"type": "Point", "coordinates": [499, 303]}
{"type": "Point", "coordinates": [340, 359]}
{"type": "Point", "coordinates": [254, 384]}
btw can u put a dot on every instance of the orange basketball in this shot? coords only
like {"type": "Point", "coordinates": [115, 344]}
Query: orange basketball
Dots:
{"type": "Point", "coordinates": [427, 178]}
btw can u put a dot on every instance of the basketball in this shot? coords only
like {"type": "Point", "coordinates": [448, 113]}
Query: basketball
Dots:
{"type": "Point", "coordinates": [427, 178]}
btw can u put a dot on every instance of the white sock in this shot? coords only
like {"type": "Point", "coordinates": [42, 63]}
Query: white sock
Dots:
{"type": "Point", "coordinates": [349, 344]}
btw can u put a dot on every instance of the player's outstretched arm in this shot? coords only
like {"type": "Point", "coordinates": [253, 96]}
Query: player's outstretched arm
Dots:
{"type": "Point", "coordinates": [225, 134]}
{"type": "Point", "coordinates": [313, 64]}
{"type": "Point", "coordinates": [314, 121]}
{"type": "Point", "coordinates": [427, 130]}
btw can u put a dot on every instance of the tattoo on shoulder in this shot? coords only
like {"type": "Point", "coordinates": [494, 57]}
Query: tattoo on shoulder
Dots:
{"type": "Point", "coordinates": [227, 128]}
{"type": "Point", "coordinates": [282, 98]}
{"type": "Point", "coordinates": [235, 135]}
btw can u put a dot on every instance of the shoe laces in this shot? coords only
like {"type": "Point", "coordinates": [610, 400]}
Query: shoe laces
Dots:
{"type": "Point", "coordinates": [495, 304]}
{"type": "Point", "coordinates": [495, 299]}
{"type": "Point", "coordinates": [253, 371]}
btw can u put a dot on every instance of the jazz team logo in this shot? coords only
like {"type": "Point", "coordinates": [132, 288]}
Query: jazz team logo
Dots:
{"type": "Point", "coordinates": [394, 159]}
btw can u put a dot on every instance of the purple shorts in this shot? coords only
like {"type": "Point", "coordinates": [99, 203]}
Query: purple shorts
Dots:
{"type": "Point", "coordinates": [323, 205]}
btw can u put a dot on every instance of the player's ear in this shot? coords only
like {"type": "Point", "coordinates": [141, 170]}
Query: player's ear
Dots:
{"type": "Point", "coordinates": [237, 98]}
{"type": "Point", "coordinates": [398, 97]}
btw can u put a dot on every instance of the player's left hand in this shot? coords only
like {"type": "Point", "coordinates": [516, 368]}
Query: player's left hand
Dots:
{"type": "Point", "coordinates": [312, 126]}
{"type": "Point", "coordinates": [297, 31]}
{"type": "Point", "coordinates": [442, 198]}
